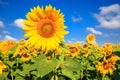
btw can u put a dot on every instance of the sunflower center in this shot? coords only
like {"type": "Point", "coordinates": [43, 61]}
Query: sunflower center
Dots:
{"type": "Point", "coordinates": [85, 46]}
{"type": "Point", "coordinates": [47, 29]}
{"type": "Point", "coordinates": [25, 55]}
{"type": "Point", "coordinates": [91, 38]}
{"type": "Point", "coordinates": [73, 49]}
{"type": "Point", "coordinates": [108, 65]}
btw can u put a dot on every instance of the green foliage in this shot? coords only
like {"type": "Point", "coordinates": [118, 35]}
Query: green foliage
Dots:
{"type": "Point", "coordinates": [59, 67]}
{"type": "Point", "coordinates": [3, 75]}
{"type": "Point", "coordinates": [71, 68]}
{"type": "Point", "coordinates": [44, 66]}
{"type": "Point", "coordinates": [117, 52]}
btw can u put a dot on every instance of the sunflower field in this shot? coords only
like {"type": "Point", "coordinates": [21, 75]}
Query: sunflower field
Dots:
{"type": "Point", "coordinates": [44, 54]}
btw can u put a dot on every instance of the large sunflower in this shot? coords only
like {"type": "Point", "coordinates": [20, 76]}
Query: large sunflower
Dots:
{"type": "Point", "coordinates": [45, 27]}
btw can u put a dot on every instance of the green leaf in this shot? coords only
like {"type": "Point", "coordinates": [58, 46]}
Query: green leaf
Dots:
{"type": "Point", "coordinates": [44, 66]}
{"type": "Point", "coordinates": [91, 58]}
{"type": "Point", "coordinates": [118, 64]}
{"type": "Point", "coordinates": [10, 63]}
{"type": "Point", "coordinates": [26, 69]}
{"type": "Point", "coordinates": [116, 76]}
{"type": "Point", "coordinates": [105, 78]}
{"type": "Point", "coordinates": [34, 72]}
{"type": "Point", "coordinates": [3, 75]}
{"type": "Point", "coordinates": [61, 60]}
{"type": "Point", "coordinates": [19, 78]}
{"type": "Point", "coordinates": [117, 52]}
{"type": "Point", "coordinates": [71, 64]}
{"type": "Point", "coordinates": [61, 78]}
{"type": "Point", "coordinates": [71, 67]}
{"type": "Point", "coordinates": [91, 68]}
{"type": "Point", "coordinates": [92, 50]}
{"type": "Point", "coordinates": [68, 73]}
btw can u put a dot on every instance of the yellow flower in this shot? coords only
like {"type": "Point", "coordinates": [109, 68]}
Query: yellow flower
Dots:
{"type": "Point", "coordinates": [69, 45]}
{"type": "Point", "coordinates": [107, 49]}
{"type": "Point", "coordinates": [101, 55]}
{"type": "Point", "coordinates": [67, 54]}
{"type": "Point", "coordinates": [87, 52]}
{"type": "Point", "coordinates": [114, 57]}
{"type": "Point", "coordinates": [25, 57]}
{"type": "Point", "coordinates": [108, 45]}
{"type": "Point", "coordinates": [77, 44]}
{"type": "Point", "coordinates": [90, 38]}
{"type": "Point", "coordinates": [34, 52]}
{"type": "Point", "coordinates": [22, 42]}
{"type": "Point", "coordinates": [106, 67]}
{"type": "Point", "coordinates": [6, 45]}
{"type": "Point", "coordinates": [45, 27]}
{"type": "Point", "coordinates": [58, 50]}
{"type": "Point", "coordinates": [74, 50]}
{"type": "Point", "coordinates": [25, 48]}
{"type": "Point", "coordinates": [0, 70]}
{"type": "Point", "coordinates": [85, 47]}
{"type": "Point", "coordinates": [48, 58]}
{"type": "Point", "coordinates": [95, 46]}
{"type": "Point", "coordinates": [18, 51]}
{"type": "Point", "coordinates": [2, 66]}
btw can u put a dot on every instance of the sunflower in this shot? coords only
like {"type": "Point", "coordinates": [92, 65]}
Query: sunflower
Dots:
{"type": "Point", "coordinates": [22, 42]}
{"type": "Point", "coordinates": [69, 45]}
{"type": "Point", "coordinates": [90, 38]}
{"type": "Point", "coordinates": [114, 57]}
{"type": "Point", "coordinates": [45, 28]}
{"type": "Point", "coordinates": [107, 49]}
{"type": "Point", "coordinates": [84, 47]}
{"type": "Point", "coordinates": [2, 66]}
{"type": "Point", "coordinates": [25, 57]}
{"type": "Point", "coordinates": [77, 44]}
{"type": "Point", "coordinates": [108, 45]}
{"type": "Point", "coordinates": [106, 67]}
{"type": "Point", "coordinates": [87, 53]}
{"type": "Point", "coordinates": [74, 49]}
{"type": "Point", "coordinates": [6, 45]}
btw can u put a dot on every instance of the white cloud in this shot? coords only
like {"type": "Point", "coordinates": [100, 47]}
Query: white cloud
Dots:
{"type": "Point", "coordinates": [109, 16]}
{"type": "Point", "coordinates": [1, 24]}
{"type": "Point", "coordinates": [72, 40]}
{"type": "Point", "coordinates": [5, 32]}
{"type": "Point", "coordinates": [7, 37]}
{"type": "Point", "coordinates": [76, 19]}
{"type": "Point", "coordinates": [82, 42]}
{"type": "Point", "coordinates": [19, 23]}
{"type": "Point", "coordinates": [69, 41]}
{"type": "Point", "coordinates": [92, 30]}
{"type": "Point", "coordinates": [111, 35]}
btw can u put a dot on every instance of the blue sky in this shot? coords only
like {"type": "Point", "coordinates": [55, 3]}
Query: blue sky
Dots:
{"type": "Point", "coordinates": [100, 17]}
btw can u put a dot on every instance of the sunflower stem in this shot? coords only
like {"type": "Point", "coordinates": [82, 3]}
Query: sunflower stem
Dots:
{"type": "Point", "coordinates": [12, 77]}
